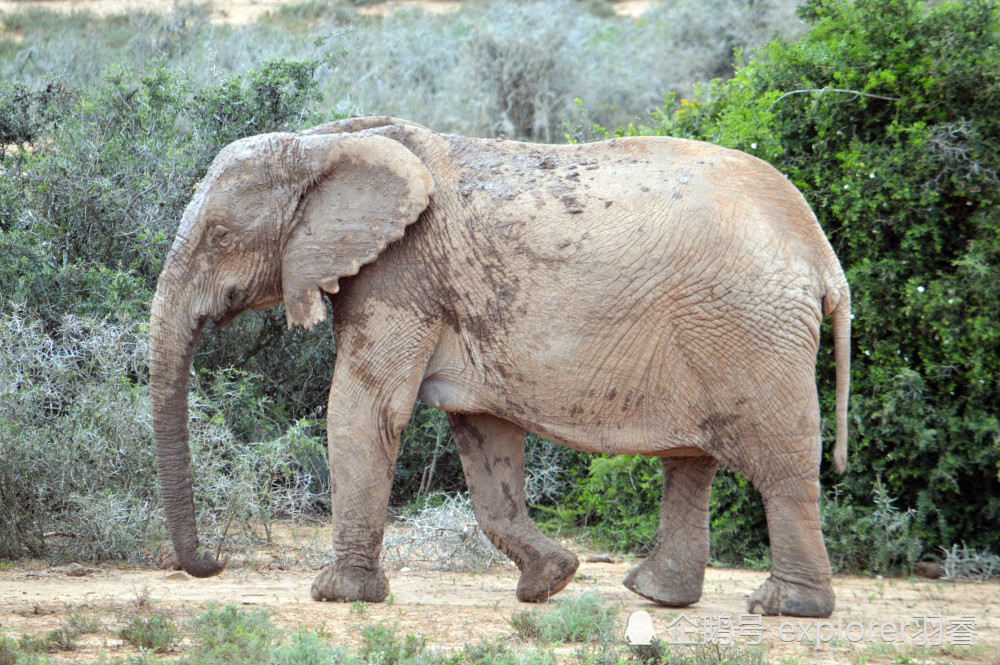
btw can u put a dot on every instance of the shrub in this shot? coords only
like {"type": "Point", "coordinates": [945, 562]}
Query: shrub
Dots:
{"type": "Point", "coordinates": [521, 60]}
{"type": "Point", "coordinates": [876, 539]}
{"type": "Point", "coordinates": [582, 618]}
{"type": "Point", "coordinates": [548, 469]}
{"type": "Point", "coordinates": [229, 635]}
{"type": "Point", "coordinates": [619, 499]}
{"type": "Point", "coordinates": [444, 535]}
{"type": "Point", "coordinates": [111, 171]}
{"type": "Point", "coordinates": [157, 633]}
{"type": "Point", "coordinates": [74, 425]}
{"type": "Point", "coordinates": [427, 461]}
{"type": "Point", "coordinates": [308, 647]}
{"type": "Point", "coordinates": [737, 521]}
{"type": "Point", "coordinates": [76, 440]}
{"type": "Point", "coordinates": [382, 645]}
{"type": "Point", "coordinates": [10, 652]}
{"type": "Point", "coordinates": [971, 565]}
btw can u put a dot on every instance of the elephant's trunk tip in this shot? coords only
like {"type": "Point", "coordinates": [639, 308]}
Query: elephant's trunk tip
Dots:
{"type": "Point", "coordinates": [205, 565]}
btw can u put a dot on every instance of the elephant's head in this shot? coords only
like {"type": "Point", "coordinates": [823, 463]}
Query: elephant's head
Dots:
{"type": "Point", "coordinates": [277, 217]}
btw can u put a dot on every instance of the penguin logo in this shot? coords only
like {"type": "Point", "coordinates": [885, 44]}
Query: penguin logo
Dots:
{"type": "Point", "coordinates": [640, 628]}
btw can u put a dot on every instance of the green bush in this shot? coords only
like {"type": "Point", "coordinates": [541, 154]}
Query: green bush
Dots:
{"type": "Point", "coordinates": [737, 521]}
{"type": "Point", "coordinates": [229, 635]}
{"type": "Point", "coordinates": [619, 499]}
{"type": "Point", "coordinates": [875, 539]}
{"type": "Point", "coordinates": [157, 633]}
{"type": "Point", "coordinates": [308, 647]}
{"type": "Point", "coordinates": [382, 645]}
{"type": "Point", "coordinates": [581, 618]}
{"type": "Point", "coordinates": [427, 461]}
{"type": "Point", "coordinates": [883, 114]}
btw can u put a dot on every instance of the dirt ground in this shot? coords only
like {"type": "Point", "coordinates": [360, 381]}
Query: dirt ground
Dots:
{"type": "Point", "coordinates": [241, 12]}
{"type": "Point", "coordinates": [452, 609]}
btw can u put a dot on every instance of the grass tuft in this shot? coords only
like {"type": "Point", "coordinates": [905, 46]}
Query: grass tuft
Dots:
{"type": "Point", "coordinates": [582, 618]}
{"type": "Point", "coordinates": [157, 633]}
{"type": "Point", "coordinates": [232, 635]}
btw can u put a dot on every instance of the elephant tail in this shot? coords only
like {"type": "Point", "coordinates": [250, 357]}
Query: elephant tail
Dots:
{"type": "Point", "coordinates": [837, 304]}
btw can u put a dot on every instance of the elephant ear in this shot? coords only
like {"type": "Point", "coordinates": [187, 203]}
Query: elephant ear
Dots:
{"type": "Point", "coordinates": [358, 195]}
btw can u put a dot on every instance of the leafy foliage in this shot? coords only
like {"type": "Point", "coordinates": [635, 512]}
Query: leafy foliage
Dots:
{"type": "Point", "coordinates": [619, 498]}
{"type": "Point", "coordinates": [425, 66]}
{"type": "Point", "coordinates": [157, 633]}
{"type": "Point", "coordinates": [581, 618]}
{"type": "Point", "coordinates": [231, 635]}
{"type": "Point", "coordinates": [874, 539]}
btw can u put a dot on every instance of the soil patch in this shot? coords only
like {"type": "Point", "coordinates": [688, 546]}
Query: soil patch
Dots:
{"type": "Point", "coordinates": [452, 609]}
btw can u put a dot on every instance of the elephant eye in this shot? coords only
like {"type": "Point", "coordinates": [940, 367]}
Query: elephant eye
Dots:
{"type": "Point", "coordinates": [221, 235]}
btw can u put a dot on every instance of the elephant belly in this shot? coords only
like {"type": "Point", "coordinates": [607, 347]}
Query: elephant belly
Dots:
{"type": "Point", "coordinates": [544, 385]}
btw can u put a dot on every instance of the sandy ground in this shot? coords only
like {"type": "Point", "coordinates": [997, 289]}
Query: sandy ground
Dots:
{"type": "Point", "coordinates": [241, 12]}
{"type": "Point", "coordinates": [452, 609]}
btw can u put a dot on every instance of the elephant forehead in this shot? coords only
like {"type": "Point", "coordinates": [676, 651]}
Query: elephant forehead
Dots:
{"type": "Point", "coordinates": [247, 164]}
{"type": "Point", "coordinates": [186, 229]}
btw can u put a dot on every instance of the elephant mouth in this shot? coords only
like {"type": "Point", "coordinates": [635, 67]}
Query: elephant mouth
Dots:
{"type": "Point", "coordinates": [234, 306]}
{"type": "Point", "coordinates": [225, 319]}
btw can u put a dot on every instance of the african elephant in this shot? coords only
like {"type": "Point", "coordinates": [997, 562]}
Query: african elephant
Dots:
{"type": "Point", "coordinates": [656, 296]}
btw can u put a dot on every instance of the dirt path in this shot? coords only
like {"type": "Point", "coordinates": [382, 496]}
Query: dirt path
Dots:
{"type": "Point", "coordinates": [241, 12]}
{"type": "Point", "coordinates": [452, 609]}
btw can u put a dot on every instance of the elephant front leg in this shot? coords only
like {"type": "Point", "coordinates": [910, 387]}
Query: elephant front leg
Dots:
{"type": "Point", "coordinates": [492, 452]}
{"type": "Point", "coordinates": [674, 572]}
{"type": "Point", "coordinates": [363, 433]}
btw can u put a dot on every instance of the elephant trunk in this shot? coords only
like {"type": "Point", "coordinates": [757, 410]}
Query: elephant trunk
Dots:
{"type": "Point", "coordinates": [173, 333]}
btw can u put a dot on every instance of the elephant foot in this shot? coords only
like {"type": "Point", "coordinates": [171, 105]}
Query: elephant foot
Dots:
{"type": "Point", "coordinates": [546, 576]}
{"type": "Point", "coordinates": [665, 585]}
{"type": "Point", "coordinates": [350, 584]}
{"type": "Point", "coordinates": [776, 597]}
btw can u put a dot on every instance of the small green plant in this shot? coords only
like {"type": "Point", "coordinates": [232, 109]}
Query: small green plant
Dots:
{"type": "Point", "coordinates": [157, 633]}
{"type": "Point", "coordinates": [308, 647]}
{"type": "Point", "coordinates": [360, 608]}
{"type": "Point", "coordinates": [489, 652]}
{"type": "Point", "coordinates": [232, 635]}
{"type": "Point", "coordinates": [382, 645]}
{"type": "Point", "coordinates": [83, 622]}
{"type": "Point", "coordinates": [582, 618]}
{"type": "Point", "coordinates": [729, 654]}
{"type": "Point", "coordinates": [603, 654]}
{"type": "Point", "coordinates": [61, 639]}
{"type": "Point", "coordinates": [10, 652]}
{"type": "Point", "coordinates": [654, 653]}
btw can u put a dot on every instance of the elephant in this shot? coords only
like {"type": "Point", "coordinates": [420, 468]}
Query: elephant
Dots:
{"type": "Point", "coordinates": [645, 295]}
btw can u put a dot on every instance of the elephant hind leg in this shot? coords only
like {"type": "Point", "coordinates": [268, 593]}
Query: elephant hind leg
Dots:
{"type": "Point", "coordinates": [492, 453]}
{"type": "Point", "coordinates": [800, 583]}
{"type": "Point", "coordinates": [674, 572]}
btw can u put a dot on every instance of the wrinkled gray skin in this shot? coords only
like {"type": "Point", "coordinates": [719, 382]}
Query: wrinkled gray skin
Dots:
{"type": "Point", "coordinates": [643, 295]}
